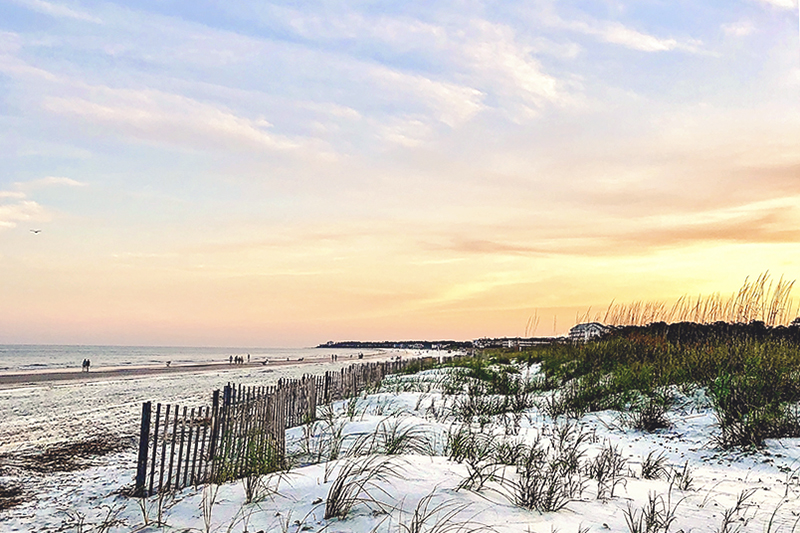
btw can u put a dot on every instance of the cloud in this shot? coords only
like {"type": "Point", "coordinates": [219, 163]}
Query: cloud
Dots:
{"type": "Point", "coordinates": [771, 227]}
{"type": "Point", "coordinates": [10, 43]}
{"type": "Point", "coordinates": [408, 132]}
{"type": "Point", "coordinates": [16, 208]}
{"type": "Point", "coordinates": [12, 194]}
{"type": "Point", "coordinates": [784, 4]}
{"type": "Point", "coordinates": [489, 57]}
{"type": "Point", "coordinates": [57, 10]}
{"type": "Point", "coordinates": [453, 104]}
{"type": "Point", "coordinates": [739, 29]}
{"type": "Point", "coordinates": [160, 117]}
{"type": "Point", "coordinates": [51, 180]}
{"type": "Point", "coordinates": [493, 51]}
{"type": "Point", "coordinates": [496, 247]}
{"type": "Point", "coordinates": [617, 33]}
{"type": "Point", "coordinates": [581, 231]}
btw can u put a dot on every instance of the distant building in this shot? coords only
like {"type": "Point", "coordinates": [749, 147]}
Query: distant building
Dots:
{"type": "Point", "coordinates": [587, 331]}
{"type": "Point", "coordinates": [514, 342]}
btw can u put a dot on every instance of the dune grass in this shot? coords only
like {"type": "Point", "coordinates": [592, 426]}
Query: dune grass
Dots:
{"type": "Point", "coordinates": [751, 372]}
{"type": "Point", "coordinates": [761, 299]}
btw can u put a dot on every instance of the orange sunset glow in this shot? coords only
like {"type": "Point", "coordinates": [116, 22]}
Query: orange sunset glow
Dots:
{"type": "Point", "coordinates": [313, 173]}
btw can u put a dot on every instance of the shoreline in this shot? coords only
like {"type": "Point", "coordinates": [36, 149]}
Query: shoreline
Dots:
{"type": "Point", "coordinates": [20, 379]}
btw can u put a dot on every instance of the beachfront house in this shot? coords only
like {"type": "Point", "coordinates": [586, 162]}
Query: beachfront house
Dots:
{"type": "Point", "coordinates": [587, 331]}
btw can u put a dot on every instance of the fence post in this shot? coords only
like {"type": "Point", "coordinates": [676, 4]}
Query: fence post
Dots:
{"type": "Point", "coordinates": [212, 448]}
{"type": "Point", "coordinates": [144, 440]}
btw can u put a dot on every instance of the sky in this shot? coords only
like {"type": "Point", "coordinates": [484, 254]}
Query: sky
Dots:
{"type": "Point", "coordinates": [258, 173]}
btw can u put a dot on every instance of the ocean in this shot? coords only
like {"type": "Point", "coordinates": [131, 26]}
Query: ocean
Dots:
{"type": "Point", "coordinates": [17, 358]}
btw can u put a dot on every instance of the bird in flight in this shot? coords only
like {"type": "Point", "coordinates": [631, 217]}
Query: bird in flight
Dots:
{"type": "Point", "coordinates": [36, 231]}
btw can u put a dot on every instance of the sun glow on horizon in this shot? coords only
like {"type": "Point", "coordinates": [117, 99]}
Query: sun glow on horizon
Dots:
{"type": "Point", "coordinates": [284, 176]}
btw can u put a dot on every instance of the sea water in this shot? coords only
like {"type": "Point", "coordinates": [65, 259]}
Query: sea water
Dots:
{"type": "Point", "coordinates": [19, 358]}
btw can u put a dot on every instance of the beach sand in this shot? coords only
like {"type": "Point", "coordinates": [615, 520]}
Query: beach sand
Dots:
{"type": "Point", "coordinates": [18, 379]}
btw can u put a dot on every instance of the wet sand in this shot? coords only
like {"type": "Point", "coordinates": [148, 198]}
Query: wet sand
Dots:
{"type": "Point", "coordinates": [18, 379]}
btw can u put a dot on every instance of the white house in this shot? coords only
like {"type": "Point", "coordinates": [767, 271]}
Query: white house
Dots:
{"type": "Point", "coordinates": [587, 331]}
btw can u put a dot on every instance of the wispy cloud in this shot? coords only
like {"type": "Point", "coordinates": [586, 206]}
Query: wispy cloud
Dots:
{"type": "Point", "coordinates": [50, 181]}
{"type": "Point", "coordinates": [452, 104]}
{"type": "Point", "coordinates": [57, 10]}
{"type": "Point", "coordinates": [617, 33]}
{"type": "Point", "coordinates": [741, 28]}
{"type": "Point", "coordinates": [12, 194]}
{"type": "Point", "coordinates": [409, 132]}
{"type": "Point", "coordinates": [494, 52]}
{"type": "Point", "coordinates": [613, 31]}
{"type": "Point", "coordinates": [10, 43]}
{"type": "Point", "coordinates": [15, 208]}
{"type": "Point", "coordinates": [490, 55]}
{"type": "Point", "coordinates": [156, 116]}
{"type": "Point", "coordinates": [771, 221]}
{"type": "Point", "coordinates": [784, 4]}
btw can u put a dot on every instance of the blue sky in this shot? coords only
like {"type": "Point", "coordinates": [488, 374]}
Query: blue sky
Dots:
{"type": "Point", "coordinates": [281, 173]}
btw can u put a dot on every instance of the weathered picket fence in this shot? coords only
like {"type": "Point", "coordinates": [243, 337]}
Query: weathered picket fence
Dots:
{"type": "Point", "coordinates": [243, 431]}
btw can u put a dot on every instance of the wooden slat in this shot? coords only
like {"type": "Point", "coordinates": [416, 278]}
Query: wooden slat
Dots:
{"type": "Point", "coordinates": [180, 451]}
{"type": "Point", "coordinates": [172, 448]}
{"type": "Point", "coordinates": [202, 460]}
{"type": "Point", "coordinates": [163, 450]}
{"type": "Point", "coordinates": [155, 450]}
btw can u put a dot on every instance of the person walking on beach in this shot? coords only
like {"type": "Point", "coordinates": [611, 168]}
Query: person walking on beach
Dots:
{"type": "Point", "coordinates": [230, 360]}
{"type": "Point", "coordinates": [83, 366]}
{"type": "Point", "coordinates": [88, 364]}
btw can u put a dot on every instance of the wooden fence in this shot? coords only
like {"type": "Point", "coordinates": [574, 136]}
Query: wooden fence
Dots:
{"type": "Point", "coordinates": [243, 432]}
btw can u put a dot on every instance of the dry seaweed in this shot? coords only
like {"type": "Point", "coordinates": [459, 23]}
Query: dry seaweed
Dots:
{"type": "Point", "coordinates": [10, 496]}
{"type": "Point", "coordinates": [63, 457]}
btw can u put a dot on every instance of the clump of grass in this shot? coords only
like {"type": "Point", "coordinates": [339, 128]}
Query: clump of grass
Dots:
{"type": "Point", "coordinates": [478, 451]}
{"type": "Point", "coordinates": [656, 516]}
{"type": "Point", "coordinates": [748, 410]}
{"type": "Point", "coordinates": [354, 408]}
{"type": "Point", "coordinates": [508, 452]}
{"type": "Point", "coordinates": [322, 441]}
{"type": "Point", "coordinates": [538, 485]}
{"type": "Point", "coordinates": [477, 404]}
{"type": "Point", "coordinates": [682, 479]}
{"type": "Point", "coordinates": [735, 514]}
{"type": "Point", "coordinates": [649, 412]}
{"type": "Point", "coordinates": [395, 437]}
{"type": "Point", "coordinates": [583, 394]}
{"type": "Point", "coordinates": [458, 443]}
{"type": "Point", "coordinates": [568, 447]}
{"type": "Point", "coordinates": [439, 518]}
{"type": "Point", "coordinates": [208, 501]}
{"type": "Point", "coordinates": [260, 459]}
{"type": "Point", "coordinates": [606, 468]}
{"type": "Point", "coordinates": [357, 481]}
{"type": "Point", "coordinates": [548, 474]}
{"type": "Point", "coordinates": [479, 473]}
{"type": "Point", "coordinates": [654, 466]}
